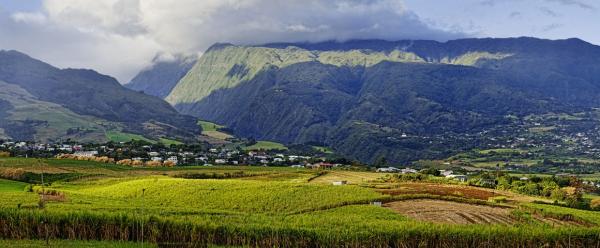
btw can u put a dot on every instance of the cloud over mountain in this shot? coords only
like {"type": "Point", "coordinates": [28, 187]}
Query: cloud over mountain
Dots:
{"type": "Point", "coordinates": [108, 29]}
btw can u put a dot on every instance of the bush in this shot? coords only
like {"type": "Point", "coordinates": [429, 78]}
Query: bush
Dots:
{"type": "Point", "coordinates": [153, 164]}
{"type": "Point", "coordinates": [125, 162]}
{"type": "Point", "coordinates": [595, 204]}
{"type": "Point", "coordinates": [169, 164]}
{"type": "Point", "coordinates": [13, 173]}
{"type": "Point", "coordinates": [4, 154]}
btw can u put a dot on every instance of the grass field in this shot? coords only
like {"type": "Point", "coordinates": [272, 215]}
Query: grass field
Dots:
{"type": "Point", "coordinates": [270, 207]}
{"type": "Point", "coordinates": [125, 137]}
{"type": "Point", "coordinates": [212, 130]}
{"type": "Point", "coordinates": [11, 186]}
{"type": "Point", "coordinates": [266, 145]}
{"type": "Point", "coordinates": [169, 142]}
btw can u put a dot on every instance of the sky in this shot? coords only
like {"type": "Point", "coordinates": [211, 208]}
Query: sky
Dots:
{"type": "Point", "coordinates": [122, 37]}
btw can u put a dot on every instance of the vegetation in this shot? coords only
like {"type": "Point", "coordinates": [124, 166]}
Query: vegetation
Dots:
{"type": "Point", "coordinates": [265, 145]}
{"type": "Point", "coordinates": [259, 206]}
{"type": "Point", "coordinates": [125, 137]}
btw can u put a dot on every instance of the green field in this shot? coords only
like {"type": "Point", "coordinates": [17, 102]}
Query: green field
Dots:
{"type": "Point", "coordinates": [266, 145]}
{"type": "Point", "coordinates": [253, 206]}
{"type": "Point", "coordinates": [212, 130]}
{"type": "Point", "coordinates": [209, 126]}
{"type": "Point", "coordinates": [323, 149]}
{"type": "Point", "coordinates": [11, 186]}
{"type": "Point", "coordinates": [169, 142]}
{"type": "Point", "coordinates": [125, 137]}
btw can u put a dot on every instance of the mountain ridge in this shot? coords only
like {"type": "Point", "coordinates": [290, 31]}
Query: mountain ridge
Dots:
{"type": "Point", "coordinates": [80, 94]}
{"type": "Point", "coordinates": [292, 94]}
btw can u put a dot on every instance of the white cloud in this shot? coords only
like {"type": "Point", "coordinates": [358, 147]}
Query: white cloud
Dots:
{"type": "Point", "coordinates": [119, 37]}
{"type": "Point", "coordinates": [32, 18]}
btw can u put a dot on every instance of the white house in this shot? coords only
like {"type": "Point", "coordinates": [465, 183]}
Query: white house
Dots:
{"type": "Point", "coordinates": [388, 169]}
{"type": "Point", "coordinates": [173, 159]}
{"type": "Point", "coordinates": [87, 154]}
{"type": "Point", "coordinates": [446, 172]}
{"type": "Point", "coordinates": [339, 183]}
{"type": "Point", "coordinates": [461, 178]}
{"type": "Point", "coordinates": [408, 171]}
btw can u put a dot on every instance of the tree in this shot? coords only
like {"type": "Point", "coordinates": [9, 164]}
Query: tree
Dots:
{"type": "Point", "coordinates": [380, 162]}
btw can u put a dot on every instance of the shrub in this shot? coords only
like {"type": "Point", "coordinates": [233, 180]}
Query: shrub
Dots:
{"type": "Point", "coordinates": [595, 204]}
{"type": "Point", "coordinates": [13, 173]}
{"type": "Point", "coordinates": [137, 163]}
{"type": "Point", "coordinates": [124, 162]}
{"type": "Point", "coordinates": [169, 164]}
{"type": "Point", "coordinates": [153, 163]}
{"type": "Point", "coordinates": [4, 154]}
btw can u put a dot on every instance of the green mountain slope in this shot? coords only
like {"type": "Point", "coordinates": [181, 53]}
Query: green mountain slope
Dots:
{"type": "Point", "coordinates": [225, 66]}
{"type": "Point", "coordinates": [44, 103]}
{"type": "Point", "coordinates": [363, 97]}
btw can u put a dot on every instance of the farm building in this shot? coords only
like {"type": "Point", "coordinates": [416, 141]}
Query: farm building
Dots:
{"type": "Point", "coordinates": [461, 178]}
{"type": "Point", "coordinates": [389, 169]}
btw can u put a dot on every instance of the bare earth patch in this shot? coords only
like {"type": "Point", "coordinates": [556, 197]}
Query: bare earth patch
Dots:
{"type": "Point", "coordinates": [442, 190]}
{"type": "Point", "coordinates": [352, 177]}
{"type": "Point", "coordinates": [437, 211]}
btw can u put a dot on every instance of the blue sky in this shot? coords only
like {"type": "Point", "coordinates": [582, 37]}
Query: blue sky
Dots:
{"type": "Point", "coordinates": [553, 19]}
{"type": "Point", "coordinates": [120, 37]}
{"type": "Point", "coordinates": [21, 5]}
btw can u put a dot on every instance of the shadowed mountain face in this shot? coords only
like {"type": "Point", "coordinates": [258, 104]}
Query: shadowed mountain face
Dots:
{"type": "Point", "coordinates": [162, 77]}
{"type": "Point", "coordinates": [41, 102]}
{"type": "Point", "coordinates": [369, 99]}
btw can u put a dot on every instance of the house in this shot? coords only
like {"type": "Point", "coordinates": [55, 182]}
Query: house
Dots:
{"type": "Point", "coordinates": [156, 159]}
{"type": "Point", "coordinates": [153, 154]}
{"type": "Point", "coordinates": [173, 159]}
{"type": "Point", "coordinates": [297, 166]}
{"type": "Point", "coordinates": [446, 172]}
{"type": "Point", "coordinates": [408, 171]}
{"type": "Point", "coordinates": [137, 159]}
{"type": "Point", "coordinates": [86, 154]}
{"type": "Point", "coordinates": [388, 169]}
{"type": "Point", "coordinates": [461, 178]}
{"type": "Point", "coordinates": [339, 183]}
{"type": "Point", "coordinates": [220, 161]}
